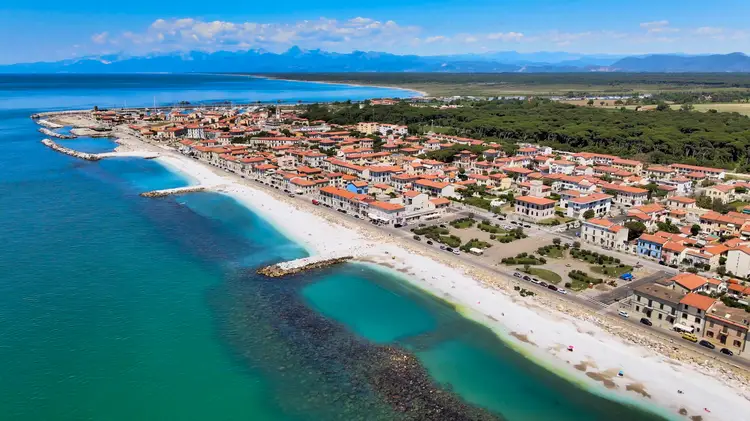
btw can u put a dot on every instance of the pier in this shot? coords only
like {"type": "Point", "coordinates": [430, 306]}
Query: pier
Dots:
{"type": "Point", "coordinates": [49, 132]}
{"type": "Point", "coordinates": [170, 192]}
{"type": "Point", "coordinates": [300, 265]}
{"type": "Point", "coordinates": [49, 124]}
{"type": "Point", "coordinates": [62, 149]}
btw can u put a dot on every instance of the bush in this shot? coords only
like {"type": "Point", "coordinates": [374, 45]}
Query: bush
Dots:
{"type": "Point", "coordinates": [568, 285]}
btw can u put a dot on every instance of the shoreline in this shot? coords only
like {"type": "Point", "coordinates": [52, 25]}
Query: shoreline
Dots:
{"type": "Point", "coordinates": [358, 85]}
{"type": "Point", "coordinates": [539, 328]}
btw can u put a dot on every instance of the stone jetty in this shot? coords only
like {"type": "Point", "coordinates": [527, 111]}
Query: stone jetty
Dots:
{"type": "Point", "coordinates": [169, 192]}
{"type": "Point", "coordinates": [300, 265]}
{"type": "Point", "coordinates": [62, 149]}
{"type": "Point", "coordinates": [49, 124]}
{"type": "Point", "coordinates": [49, 132]}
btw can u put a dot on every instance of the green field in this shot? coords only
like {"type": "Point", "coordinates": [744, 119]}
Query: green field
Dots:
{"type": "Point", "coordinates": [611, 271]}
{"type": "Point", "coordinates": [736, 107]}
{"type": "Point", "coordinates": [544, 274]}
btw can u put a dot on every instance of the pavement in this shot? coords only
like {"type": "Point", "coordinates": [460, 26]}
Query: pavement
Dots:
{"type": "Point", "coordinates": [624, 291]}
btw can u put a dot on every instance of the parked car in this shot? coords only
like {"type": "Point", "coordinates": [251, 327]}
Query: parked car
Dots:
{"type": "Point", "coordinates": [291, 195]}
{"type": "Point", "coordinates": [442, 225]}
{"type": "Point", "coordinates": [397, 226]}
{"type": "Point", "coordinates": [418, 238]}
{"type": "Point", "coordinates": [535, 281]}
{"type": "Point", "coordinates": [456, 252]}
{"type": "Point", "coordinates": [544, 284]}
{"type": "Point", "coordinates": [429, 242]}
{"type": "Point", "coordinates": [562, 291]}
{"type": "Point", "coordinates": [527, 278]}
{"type": "Point", "coordinates": [442, 247]}
{"type": "Point", "coordinates": [552, 287]}
{"type": "Point", "coordinates": [707, 344]}
{"type": "Point", "coordinates": [726, 352]}
{"type": "Point", "coordinates": [646, 321]}
{"type": "Point", "coordinates": [527, 226]}
{"type": "Point", "coordinates": [449, 249]}
{"type": "Point", "coordinates": [517, 275]}
{"type": "Point", "coordinates": [421, 225]}
{"type": "Point", "coordinates": [690, 337]}
{"type": "Point", "coordinates": [623, 313]}
{"type": "Point", "coordinates": [315, 202]}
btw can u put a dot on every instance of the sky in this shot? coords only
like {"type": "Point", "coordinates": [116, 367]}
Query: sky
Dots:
{"type": "Point", "coordinates": [46, 30]}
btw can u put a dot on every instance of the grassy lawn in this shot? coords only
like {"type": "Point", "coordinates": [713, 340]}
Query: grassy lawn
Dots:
{"type": "Point", "coordinates": [462, 223]}
{"type": "Point", "coordinates": [742, 108]}
{"type": "Point", "coordinates": [611, 271]}
{"type": "Point", "coordinates": [577, 285]}
{"type": "Point", "coordinates": [555, 252]}
{"type": "Point", "coordinates": [544, 274]}
{"type": "Point", "coordinates": [738, 205]}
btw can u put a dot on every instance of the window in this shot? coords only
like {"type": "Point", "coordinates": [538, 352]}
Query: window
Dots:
{"type": "Point", "coordinates": [711, 324]}
{"type": "Point", "coordinates": [684, 316]}
{"type": "Point", "coordinates": [661, 306]}
{"type": "Point", "coordinates": [710, 334]}
{"type": "Point", "coordinates": [660, 315]}
{"type": "Point", "coordinates": [650, 303]}
{"type": "Point", "coordinates": [697, 320]}
{"type": "Point", "coordinates": [737, 344]}
{"type": "Point", "coordinates": [637, 308]}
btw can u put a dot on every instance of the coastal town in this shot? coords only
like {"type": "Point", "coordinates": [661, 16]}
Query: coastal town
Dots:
{"type": "Point", "coordinates": [666, 246]}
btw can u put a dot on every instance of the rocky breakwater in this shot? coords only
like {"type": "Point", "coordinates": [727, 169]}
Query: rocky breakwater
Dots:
{"type": "Point", "coordinates": [169, 192]}
{"type": "Point", "coordinates": [62, 149]}
{"type": "Point", "coordinates": [301, 265]}
{"type": "Point", "coordinates": [49, 132]}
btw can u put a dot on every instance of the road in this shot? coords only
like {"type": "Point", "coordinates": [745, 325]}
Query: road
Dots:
{"type": "Point", "coordinates": [624, 291]}
{"type": "Point", "coordinates": [601, 309]}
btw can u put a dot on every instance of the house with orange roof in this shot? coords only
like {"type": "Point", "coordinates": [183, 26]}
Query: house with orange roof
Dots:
{"type": "Point", "coordinates": [599, 203]}
{"type": "Point", "coordinates": [681, 202]}
{"type": "Point", "coordinates": [630, 165]}
{"type": "Point", "coordinates": [384, 213]}
{"type": "Point", "coordinates": [604, 233]}
{"type": "Point", "coordinates": [658, 173]}
{"type": "Point", "coordinates": [723, 192]}
{"type": "Point", "coordinates": [727, 327]}
{"type": "Point", "coordinates": [658, 303]}
{"type": "Point", "coordinates": [341, 199]}
{"type": "Point", "coordinates": [626, 195]}
{"type": "Point", "coordinates": [712, 173]}
{"type": "Point", "coordinates": [693, 310]}
{"type": "Point", "coordinates": [730, 224]}
{"type": "Point", "coordinates": [434, 188]}
{"type": "Point", "coordinates": [688, 282]}
{"type": "Point", "coordinates": [650, 246]}
{"type": "Point", "coordinates": [534, 208]}
{"type": "Point", "coordinates": [562, 167]}
{"type": "Point", "coordinates": [673, 252]}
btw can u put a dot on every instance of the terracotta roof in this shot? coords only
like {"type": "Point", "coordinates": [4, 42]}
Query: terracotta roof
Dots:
{"type": "Point", "coordinates": [535, 200]}
{"type": "Point", "coordinates": [386, 206]}
{"type": "Point", "coordinates": [652, 239]}
{"type": "Point", "coordinates": [698, 301]}
{"type": "Point", "coordinates": [689, 281]}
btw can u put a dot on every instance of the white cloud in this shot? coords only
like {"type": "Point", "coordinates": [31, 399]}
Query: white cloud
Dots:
{"type": "Point", "coordinates": [709, 30]}
{"type": "Point", "coordinates": [506, 36]}
{"type": "Point", "coordinates": [439, 38]}
{"type": "Point", "coordinates": [188, 33]}
{"type": "Point", "coordinates": [100, 38]}
{"type": "Point", "coordinates": [659, 26]}
{"type": "Point", "coordinates": [470, 39]}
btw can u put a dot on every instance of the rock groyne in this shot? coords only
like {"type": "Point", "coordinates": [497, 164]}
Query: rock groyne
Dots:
{"type": "Point", "coordinates": [49, 132]}
{"type": "Point", "coordinates": [62, 149]}
{"type": "Point", "coordinates": [49, 124]}
{"type": "Point", "coordinates": [169, 192]}
{"type": "Point", "coordinates": [301, 265]}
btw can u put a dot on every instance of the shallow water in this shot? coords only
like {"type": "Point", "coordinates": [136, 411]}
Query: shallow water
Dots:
{"type": "Point", "coordinates": [118, 307]}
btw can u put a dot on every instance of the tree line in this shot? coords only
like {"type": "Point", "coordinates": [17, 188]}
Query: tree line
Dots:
{"type": "Point", "coordinates": [662, 137]}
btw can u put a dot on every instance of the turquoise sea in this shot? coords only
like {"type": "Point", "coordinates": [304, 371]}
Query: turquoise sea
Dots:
{"type": "Point", "coordinates": [118, 307]}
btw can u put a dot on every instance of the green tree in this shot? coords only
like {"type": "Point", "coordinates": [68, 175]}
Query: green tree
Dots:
{"type": "Point", "coordinates": [590, 102]}
{"type": "Point", "coordinates": [695, 229]}
{"type": "Point", "coordinates": [635, 229]}
{"type": "Point", "coordinates": [589, 214]}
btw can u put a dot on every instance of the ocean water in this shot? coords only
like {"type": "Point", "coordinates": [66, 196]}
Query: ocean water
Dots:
{"type": "Point", "coordinates": [118, 307]}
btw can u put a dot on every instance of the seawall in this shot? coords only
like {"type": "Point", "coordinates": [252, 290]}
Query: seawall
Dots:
{"type": "Point", "coordinates": [62, 149]}
{"type": "Point", "coordinates": [49, 132]}
{"type": "Point", "coordinates": [169, 192]}
{"type": "Point", "coordinates": [301, 265]}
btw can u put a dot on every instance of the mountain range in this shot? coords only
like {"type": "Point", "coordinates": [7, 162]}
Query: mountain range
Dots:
{"type": "Point", "coordinates": [298, 60]}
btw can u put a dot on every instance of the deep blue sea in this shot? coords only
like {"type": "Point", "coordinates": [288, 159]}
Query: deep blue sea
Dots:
{"type": "Point", "coordinates": [119, 307]}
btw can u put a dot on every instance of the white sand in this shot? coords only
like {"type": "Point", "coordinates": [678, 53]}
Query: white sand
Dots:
{"type": "Point", "coordinates": [549, 331]}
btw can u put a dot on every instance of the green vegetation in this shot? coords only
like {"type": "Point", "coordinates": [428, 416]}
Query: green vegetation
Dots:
{"type": "Point", "coordinates": [510, 236]}
{"type": "Point", "coordinates": [524, 259]}
{"type": "Point", "coordinates": [463, 223]}
{"type": "Point", "coordinates": [715, 139]}
{"type": "Point", "coordinates": [580, 280]}
{"type": "Point", "coordinates": [441, 235]}
{"type": "Point", "coordinates": [553, 251]}
{"type": "Point", "coordinates": [593, 257]}
{"type": "Point", "coordinates": [475, 243]}
{"type": "Point", "coordinates": [492, 229]}
{"type": "Point", "coordinates": [635, 229]}
{"type": "Point", "coordinates": [611, 271]}
{"type": "Point", "coordinates": [668, 226]}
{"type": "Point", "coordinates": [545, 274]}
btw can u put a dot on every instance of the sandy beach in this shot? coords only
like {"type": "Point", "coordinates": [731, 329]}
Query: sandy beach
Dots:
{"type": "Point", "coordinates": [359, 85]}
{"type": "Point", "coordinates": [541, 327]}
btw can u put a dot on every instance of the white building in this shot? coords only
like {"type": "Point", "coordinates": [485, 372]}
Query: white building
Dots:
{"type": "Point", "coordinates": [535, 208]}
{"type": "Point", "coordinates": [604, 233]}
{"type": "Point", "coordinates": [599, 203]}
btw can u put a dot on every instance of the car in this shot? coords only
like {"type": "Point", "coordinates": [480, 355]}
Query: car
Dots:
{"type": "Point", "coordinates": [315, 202]}
{"type": "Point", "coordinates": [397, 226]}
{"type": "Point", "coordinates": [646, 321]}
{"type": "Point", "coordinates": [442, 247]}
{"type": "Point", "coordinates": [449, 249]}
{"type": "Point", "coordinates": [552, 287]}
{"type": "Point", "coordinates": [726, 352]}
{"type": "Point", "coordinates": [562, 291]}
{"type": "Point", "coordinates": [535, 281]}
{"type": "Point", "coordinates": [526, 278]}
{"type": "Point", "coordinates": [543, 284]}
{"type": "Point", "coordinates": [567, 265]}
{"type": "Point", "coordinates": [690, 337]}
{"type": "Point", "coordinates": [429, 242]}
{"type": "Point", "coordinates": [442, 225]}
{"type": "Point", "coordinates": [623, 313]}
{"type": "Point", "coordinates": [707, 344]}
{"type": "Point", "coordinates": [517, 275]}
{"type": "Point", "coordinates": [291, 195]}
{"type": "Point", "coordinates": [527, 226]}
{"type": "Point", "coordinates": [456, 252]}
{"type": "Point", "coordinates": [514, 222]}
{"type": "Point", "coordinates": [418, 238]}
{"type": "Point", "coordinates": [357, 216]}
{"type": "Point", "coordinates": [421, 225]}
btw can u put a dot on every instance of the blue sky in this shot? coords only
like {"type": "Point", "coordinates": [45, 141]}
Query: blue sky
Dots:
{"type": "Point", "coordinates": [43, 30]}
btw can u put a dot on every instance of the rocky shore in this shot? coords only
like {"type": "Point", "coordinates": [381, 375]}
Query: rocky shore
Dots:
{"type": "Point", "coordinates": [62, 149]}
{"type": "Point", "coordinates": [284, 269]}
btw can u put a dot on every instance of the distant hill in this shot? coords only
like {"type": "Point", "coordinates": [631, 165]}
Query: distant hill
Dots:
{"type": "Point", "coordinates": [302, 61]}
{"type": "Point", "coordinates": [663, 63]}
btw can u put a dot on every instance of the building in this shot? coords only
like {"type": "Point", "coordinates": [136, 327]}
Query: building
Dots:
{"type": "Point", "coordinates": [434, 188]}
{"type": "Point", "coordinates": [650, 246]}
{"type": "Point", "coordinates": [738, 261]}
{"type": "Point", "coordinates": [626, 195]}
{"type": "Point", "coordinates": [604, 233]}
{"type": "Point", "coordinates": [599, 203]}
{"type": "Point", "coordinates": [693, 309]}
{"type": "Point", "coordinates": [658, 303]}
{"type": "Point", "coordinates": [535, 208]}
{"type": "Point", "coordinates": [385, 213]}
{"type": "Point", "coordinates": [727, 327]}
